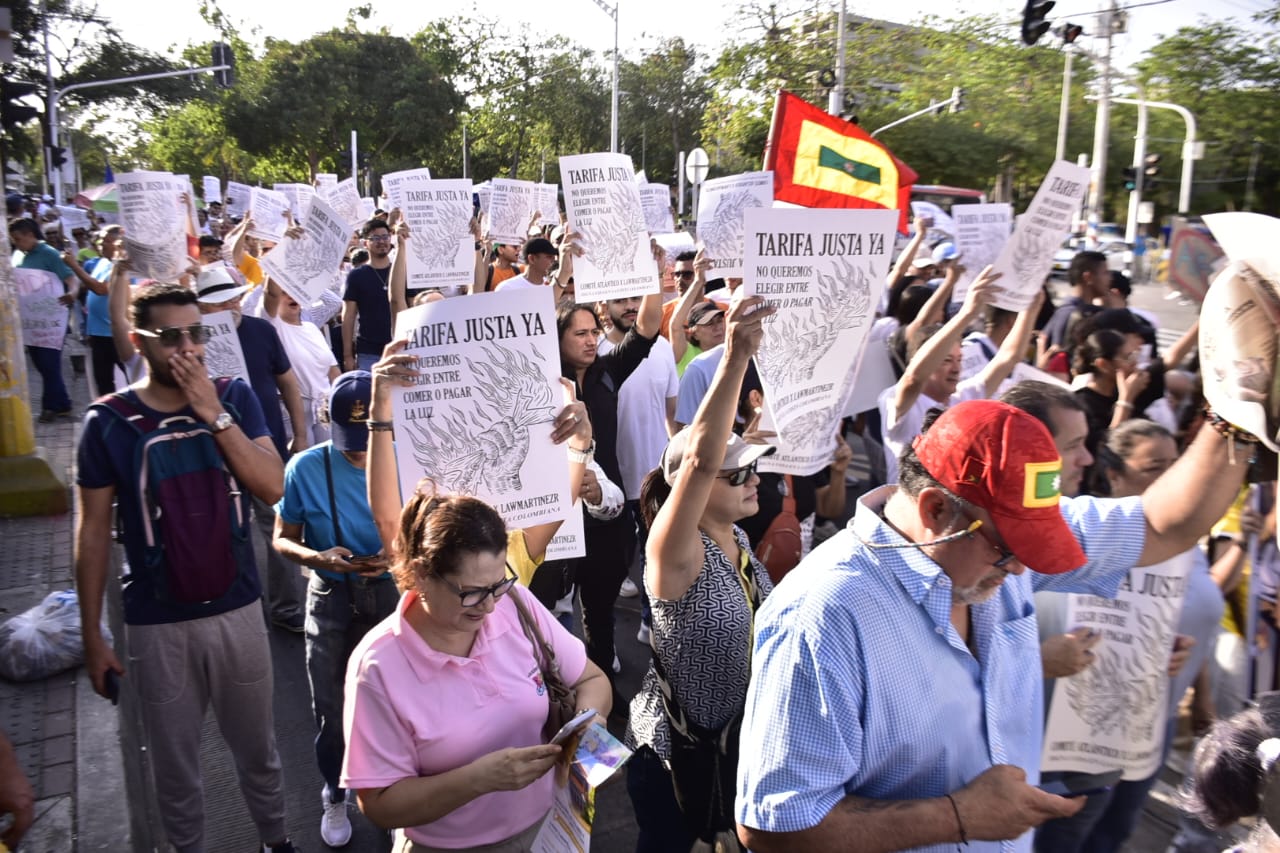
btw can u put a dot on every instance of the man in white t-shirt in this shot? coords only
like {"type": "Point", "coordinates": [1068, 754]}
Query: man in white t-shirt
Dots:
{"type": "Point", "coordinates": [539, 257]}
{"type": "Point", "coordinates": [932, 377]}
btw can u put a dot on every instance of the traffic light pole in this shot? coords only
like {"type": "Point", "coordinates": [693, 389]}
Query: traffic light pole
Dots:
{"type": "Point", "coordinates": [1139, 169]}
{"type": "Point", "coordinates": [1102, 123]}
{"type": "Point", "coordinates": [1189, 145]}
{"type": "Point", "coordinates": [953, 101]}
{"type": "Point", "coordinates": [55, 175]}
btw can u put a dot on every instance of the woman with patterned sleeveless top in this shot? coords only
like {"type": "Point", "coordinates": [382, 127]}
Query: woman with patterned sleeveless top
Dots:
{"type": "Point", "coordinates": [704, 584]}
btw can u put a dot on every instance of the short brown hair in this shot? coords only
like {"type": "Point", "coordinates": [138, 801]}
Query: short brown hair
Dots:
{"type": "Point", "coordinates": [437, 532]}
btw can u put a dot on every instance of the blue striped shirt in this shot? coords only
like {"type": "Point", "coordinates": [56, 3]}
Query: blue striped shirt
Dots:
{"type": "Point", "coordinates": [860, 685]}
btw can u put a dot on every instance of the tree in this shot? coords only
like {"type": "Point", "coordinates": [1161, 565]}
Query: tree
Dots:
{"type": "Point", "coordinates": [666, 94]}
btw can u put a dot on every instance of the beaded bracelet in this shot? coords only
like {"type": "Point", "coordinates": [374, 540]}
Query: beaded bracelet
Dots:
{"type": "Point", "coordinates": [1232, 433]}
{"type": "Point", "coordinates": [380, 426]}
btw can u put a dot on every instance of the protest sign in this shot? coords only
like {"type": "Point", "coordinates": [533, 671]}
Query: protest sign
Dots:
{"type": "Point", "coordinates": [305, 266]}
{"type": "Point", "coordinates": [299, 196]}
{"type": "Point", "coordinates": [1194, 259]}
{"type": "Point", "coordinates": [875, 373]}
{"type": "Point", "coordinates": [570, 540]}
{"type": "Point", "coordinates": [1113, 714]}
{"type": "Point", "coordinates": [722, 202]}
{"type": "Point", "coordinates": [73, 218]}
{"type": "Point", "coordinates": [806, 444]}
{"type": "Point", "coordinates": [478, 420]}
{"type": "Point", "coordinates": [942, 221]}
{"type": "Point", "coordinates": [484, 191]}
{"type": "Point", "coordinates": [675, 243]}
{"type": "Point", "coordinates": [392, 184]}
{"type": "Point", "coordinates": [511, 210]}
{"type": "Point", "coordinates": [656, 201]}
{"type": "Point", "coordinates": [441, 246]}
{"type": "Point", "coordinates": [824, 270]}
{"type": "Point", "coordinates": [603, 206]}
{"type": "Point", "coordinates": [223, 355]}
{"type": "Point", "coordinates": [152, 213]}
{"type": "Point", "coordinates": [548, 196]}
{"type": "Point", "coordinates": [368, 206]}
{"type": "Point", "coordinates": [190, 213]}
{"type": "Point", "coordinates": [981, 230]}
{"type": "Point", "coordinates": [270, 210]}
{"type": "Point", "coordinates": [325, 179]}
{"type": "Point", "coordinates": [345, 201]}
{"type": "Point", "coordinates": [44, 318]}
{"type": "Point", "coordinates": [211, 189]}
{"type": "Point", "coordinates": [236, 200]}
{"type": "Point", "coordinates": [1027, 257]}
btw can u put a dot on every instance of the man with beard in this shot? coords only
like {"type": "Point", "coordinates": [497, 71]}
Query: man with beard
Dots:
{"type": "Point", "coordinates": [273, 381]}
{"type": "Point", "coordinates": [183, 654]}
{"type": "Point", "coordinates": [366, 310]}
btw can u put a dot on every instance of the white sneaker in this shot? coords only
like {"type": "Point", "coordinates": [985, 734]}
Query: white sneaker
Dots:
{"type": "Point", "coordinates": [335, 825]}
{"type": "Point", "coordinates": [629, 589]}
{"type": "Point", "coordinates": [617, 664]}
{"type": "Point", "coordinates": [642, 636]}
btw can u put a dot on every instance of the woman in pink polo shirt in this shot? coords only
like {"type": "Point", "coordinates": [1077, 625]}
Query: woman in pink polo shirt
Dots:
{"type": "Point", "coordinates": [445, 703]}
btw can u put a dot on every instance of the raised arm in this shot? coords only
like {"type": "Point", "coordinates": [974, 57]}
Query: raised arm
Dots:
{"type": "Point", "coordinates": [399, 271]}
{"type": "Point", "coordinates": [908, 253]}
{"type": "Point", "coordinates": [118, 294]}
{"type": "Point", "coordinates": [482, 258]}
{"type": "Point", "coordinates": [382, 479]}
{"type": "Point", "coordinates": [649, 320]}
{"type": "Point", "coordinates": [934, 309]}
{"type": "Point", "coordinates": [675, 549]}
{"type": "Point", "coordinates": [696, 292]}
{"type": "Point", "coordinates": [1014, 348]}
{"type": "Point", "coordinates": [1183, 346]}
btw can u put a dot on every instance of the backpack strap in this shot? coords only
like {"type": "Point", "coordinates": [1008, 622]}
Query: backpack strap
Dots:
{"type": "Point", "coordinates": [789, 497]}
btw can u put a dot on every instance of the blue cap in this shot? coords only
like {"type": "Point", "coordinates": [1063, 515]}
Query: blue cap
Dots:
{"type": "Point", "coordinates": [348, 407]}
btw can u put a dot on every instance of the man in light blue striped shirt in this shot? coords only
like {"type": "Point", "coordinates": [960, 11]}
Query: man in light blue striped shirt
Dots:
{"type": "Point", "coordinates": [895, 700]}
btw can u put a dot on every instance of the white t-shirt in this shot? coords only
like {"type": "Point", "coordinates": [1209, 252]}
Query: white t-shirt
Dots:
{"type": "Point", "coordinates": [517, 282]}
{"type": "Point", "coordinates": [642, 413]}
{"type": "Point", "coordinates": [311, 357]}
{"type": "Point", "coordinates": [900, 430]}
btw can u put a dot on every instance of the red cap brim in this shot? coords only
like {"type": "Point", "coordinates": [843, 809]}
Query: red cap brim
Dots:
{"type": "Point", "coordinates": [1041, 540]}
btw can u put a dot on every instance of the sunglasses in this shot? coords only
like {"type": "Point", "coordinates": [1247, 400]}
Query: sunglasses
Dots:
{"type": "Point", "coordinates": [171, 336]}
{"type": "Point", "coordinates": [739, 476]}
{"type": "Point", "coordinates": [476, 597]}
{"type": "Point", "coordinates": [385, 238]}
{"type": "Point", "coordinates": [684, 274]}
{"type": "Point", "coordinates": [1006, 556]}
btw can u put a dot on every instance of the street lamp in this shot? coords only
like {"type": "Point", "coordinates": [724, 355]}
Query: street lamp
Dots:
{"type": "Point", "coordinates": [612, 12]}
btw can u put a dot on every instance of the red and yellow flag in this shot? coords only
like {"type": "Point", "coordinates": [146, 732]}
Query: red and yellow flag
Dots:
{"type": "Point", "coordinates": [821, 160]}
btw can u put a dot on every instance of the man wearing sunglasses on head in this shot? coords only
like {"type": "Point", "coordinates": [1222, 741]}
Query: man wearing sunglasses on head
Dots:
{"type": "Point", "coordinates": [194, 630]}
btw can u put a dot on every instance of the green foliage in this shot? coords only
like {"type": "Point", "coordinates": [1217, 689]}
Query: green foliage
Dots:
{"type": "Point", "coordinates": [665, 97]}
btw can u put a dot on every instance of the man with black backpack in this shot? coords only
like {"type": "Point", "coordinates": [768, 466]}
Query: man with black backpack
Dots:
{"type": "Point", "coordinates": [180, 455]}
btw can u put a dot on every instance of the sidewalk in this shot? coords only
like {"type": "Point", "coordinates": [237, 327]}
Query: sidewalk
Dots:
{"type": "Point", "coordinates": [67, 738]}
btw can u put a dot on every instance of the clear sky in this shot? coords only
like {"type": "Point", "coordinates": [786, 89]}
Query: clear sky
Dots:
{"type": "Point", "coordinates": [640, 21]}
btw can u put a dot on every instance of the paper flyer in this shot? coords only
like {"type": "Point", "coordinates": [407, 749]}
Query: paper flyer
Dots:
{"type": "Point", "coordinates": [981, 230]}
{"type": "Point", "coordinates": [441, 246]}
{"type": "Point", "coordinates": [1027, 257]}
{"type": "Point", "coordinates": [512, 208]}
{"type": "Point", "coordinates": [44, 318]}
{"type": "Point", "coordinates": [306, 266]}
{"type": "Point", "coordinates": [151, 211]}
{"type": "Point", "coordinates": [656, 200]}
{"type": "Point", "coordinates": [1113, 714]}
{"type": "Point", "coordinates": [223, 355]}
{"type": "Point", "coordinates": [570, 541]}
{"type": "Point", "coordinates": [567, 829]}
{"type": "Point", "coordinates": [603, 206]}
{"type": "Point", "coordinates": [479, 420]}
{"type": "Point", "coordinates": [722, 204]}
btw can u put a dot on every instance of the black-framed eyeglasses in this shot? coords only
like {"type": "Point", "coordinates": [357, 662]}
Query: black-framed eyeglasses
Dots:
{"type": "Point", "coordinates": [171, 336]}
{"type": "Point", "coordinates": [684, 273]}
{"type": "Point", "coordinates": [476, 597]}
{"type": "Point", "coordinates": [739, 476]}
{"type": "Point", "coordinates": [980, 527]}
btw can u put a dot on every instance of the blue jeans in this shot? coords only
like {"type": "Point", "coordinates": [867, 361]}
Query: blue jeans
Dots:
{"type": "Point", "coordinates": [364, 361]}
{"type": "Point", "coordinates": [48, 363]}
{"type": "Point", "coordinates": [658, 815]}
{"type": "Point", "coordinates": [339, 614]}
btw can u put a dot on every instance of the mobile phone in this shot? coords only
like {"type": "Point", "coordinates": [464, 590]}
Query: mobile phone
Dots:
{"type": "Point", "coordinates": [1081, 784]}
{"type": "Point", "coordinates": [111, 682]}
{"type": "Point", "coordinates": [569, 728]}
{"type": "Point", "coordinates": [367, 558]}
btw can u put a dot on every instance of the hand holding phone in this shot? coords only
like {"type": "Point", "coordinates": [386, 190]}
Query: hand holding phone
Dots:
{"type": "Point", "coordinates": [1081, 784]}
{"type": "Point", "coordinates": [571, 728]}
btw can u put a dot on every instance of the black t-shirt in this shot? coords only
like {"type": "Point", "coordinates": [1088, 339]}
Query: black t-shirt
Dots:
{"type": "Point", "coordinates": [367, 288]}
{"type": "Point", "coordinates": [265, 358]}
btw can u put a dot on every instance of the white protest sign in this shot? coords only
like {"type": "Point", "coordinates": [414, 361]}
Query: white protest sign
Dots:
{"type": "Point", "coordinates": [305, 266]}
{"type": "Point", "coordinates": [269, 209]}
{"type": "Point", "coordinates": [1250, 237]}
{"type": "Point", "coordinates": [981, 230]}
{"type": "Point", "coordinates": [942, 221]}
{"type": "Point", "coordinates": [299, 196]}
{"type": "Point", "coordinates": [236, 200]}
{"type": "Point", "coordinates": [570, 540]}
{"type": "Point", "coordinates": [806, 445]}
{"type": "Point", "coordinates": [722, 202]}
{"type": "Point", "coordinates": [656, 201]}
{"type": "Point", "coordinates": [675, 243]}
{"type": "Point", "coordinates": [441, 246]}
{"type": "Point", "coordinates": [548, 204]}
{"type": "Point", "coordinates": [1112, 715]}
{"type": "Point", "coordinates": [875, 373]}
{"type": "Point", "coordinates": [392, 184]}
{"type": "Point", "coordinates": [152, 213]}
{"type": "Point", "coordinates": [478, 420]}
{"type": "Point", "coordinates": [511, 210]}
{"type": "Point", "coordinates": [484, 191]}
{"type": "Point", "coordinates": [1027, 257]}
{"type": "Point", "coordinates": [211, 189]}
{"type": "Point", "coordinates": [44, 318]}
{"type": "Point", "coordinates": [73, 218]}
{"type": "Point", "coordinates": [368, 206]}
{"type": "Point", "coordinates": [824, 270]}
{"type": "Point", "coordinates": [325, 179]}
{"type": "Point", "coordinates": [602, 202]}
{"type": "Point", "coordinates": [223, 355]}
{"type": "Point", "coordinates": [344, 199]}
{"type": "Point", "coordinates": [190, 213]}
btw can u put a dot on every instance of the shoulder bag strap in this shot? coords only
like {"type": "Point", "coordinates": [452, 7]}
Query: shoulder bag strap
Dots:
{"type": "Point", "coordinates": [333, 500]}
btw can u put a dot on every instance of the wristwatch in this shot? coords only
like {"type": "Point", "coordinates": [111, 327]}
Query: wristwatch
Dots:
{"type": "Point", "coordinates": [222, 423]}
{"type": "Point", "coordinates": [583, 456]}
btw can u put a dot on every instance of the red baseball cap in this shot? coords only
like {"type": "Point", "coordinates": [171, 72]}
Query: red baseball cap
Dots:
{"type": "Point", "coordinates": [1004, 460]}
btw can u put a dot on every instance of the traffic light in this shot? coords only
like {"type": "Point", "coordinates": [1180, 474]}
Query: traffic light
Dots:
{"type": "Point", "coordinates": [1034, 23]}
{"type": "Point", "coordinates": [57, 157]}
{"type": "Point", "coordinates": [1069, 33]}
{"type": "Point", "coordinates": [12, 111]}
{"type": "Point", "coordinates": [1151, 166]}
{"type": "Point", "coordinates": [1130, 178]}
{"type": "Point", "coordinates": [957, 99]}
{"type": "Point", "coordinates": [223, 55]}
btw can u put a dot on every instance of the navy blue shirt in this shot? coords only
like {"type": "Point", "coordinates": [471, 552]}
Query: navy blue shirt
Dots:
{"type": "Point", "coordinates": [367, 288]}
{"type": "Point", "coordinates": [265, 358]}
{"type": "Point", "coordinates": [105, 457]}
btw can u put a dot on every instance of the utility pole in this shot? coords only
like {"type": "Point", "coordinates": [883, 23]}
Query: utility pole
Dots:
{"type": "Point", "coordinates": [1064, 108]}
{"type": "Point", "coordinates": [835, 98]}
{"type": "Point", "coordinates": [1102, 124]}
{"type": "Point", "coordinates": [1139, 169]}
